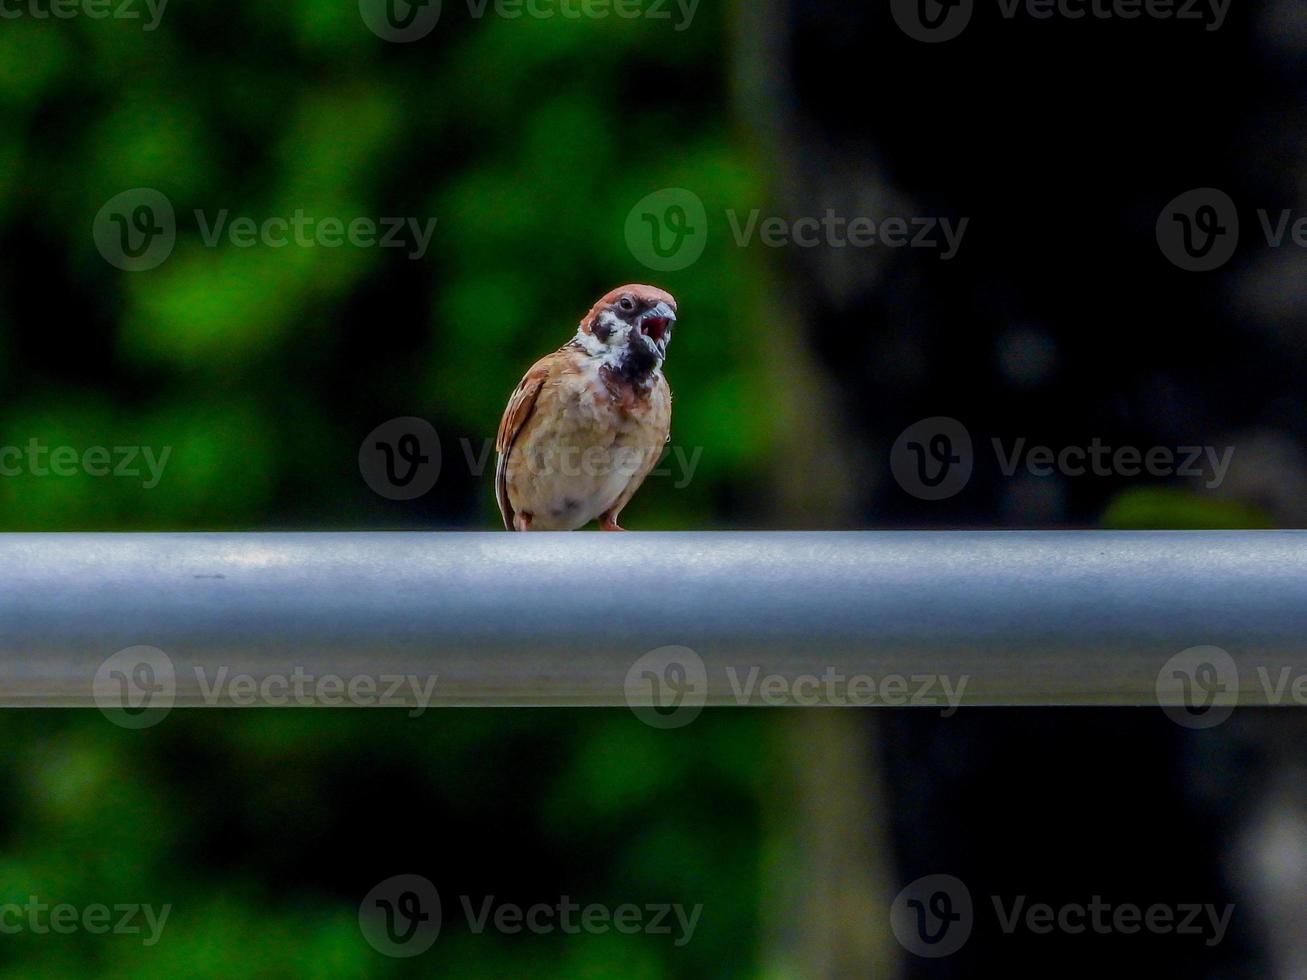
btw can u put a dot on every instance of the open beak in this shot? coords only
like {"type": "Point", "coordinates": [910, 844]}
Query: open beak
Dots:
{"type": "Point", "coordinates": [656, 326]}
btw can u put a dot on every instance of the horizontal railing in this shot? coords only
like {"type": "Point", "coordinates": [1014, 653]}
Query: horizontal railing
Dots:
{"type": "Point", "coordinates": [999, 618]}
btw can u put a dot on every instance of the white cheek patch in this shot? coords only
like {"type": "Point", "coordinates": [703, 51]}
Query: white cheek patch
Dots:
{"type": "Point", "coordinates": [591, 344]}
{"type": "Point", "coordinates": [610, 351]}
{"type": "Point", "coordinates": [616, 328]}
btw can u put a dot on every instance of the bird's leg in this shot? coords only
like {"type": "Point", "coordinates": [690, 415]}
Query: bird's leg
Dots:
{"type": "Point", "coordinates": [522, 520]}
{"type": "Point", "coordinates": [608, 522]}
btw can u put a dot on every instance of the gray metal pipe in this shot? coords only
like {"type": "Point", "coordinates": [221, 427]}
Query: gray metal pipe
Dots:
{"type": "Point", "coordinates": [1014, 617]}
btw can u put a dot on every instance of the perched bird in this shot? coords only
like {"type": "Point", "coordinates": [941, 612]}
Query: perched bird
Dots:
{"type": "Point", "coordinates": [589, 421]}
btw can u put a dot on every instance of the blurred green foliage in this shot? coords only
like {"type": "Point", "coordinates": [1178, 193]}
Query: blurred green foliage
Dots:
{"type": "Point", "coordinates": [263, 368]}
{"type": "Point", "coordinates": [1169, 509]}
{"type": "Point", "coordinates": [529, 140]}
{"type": "Point", "coordinates": [263, 830]}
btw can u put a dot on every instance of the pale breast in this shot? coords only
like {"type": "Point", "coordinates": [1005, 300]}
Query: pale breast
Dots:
{"type": "Point", "coordinates": [584, 445]}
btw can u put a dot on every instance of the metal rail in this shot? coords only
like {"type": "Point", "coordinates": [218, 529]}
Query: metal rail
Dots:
{"type": "Point", "coordinates": [1026, 618]}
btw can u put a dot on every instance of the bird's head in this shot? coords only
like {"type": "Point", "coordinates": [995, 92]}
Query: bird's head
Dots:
{"type": "Point", "coordinates": [632, 325]}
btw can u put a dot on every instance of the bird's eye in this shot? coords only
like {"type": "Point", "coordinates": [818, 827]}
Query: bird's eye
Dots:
{"type": "Point", "coordinates": [627, 303]}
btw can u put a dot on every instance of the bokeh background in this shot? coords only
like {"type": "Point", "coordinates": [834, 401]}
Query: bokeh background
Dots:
{"type": "Point", "coordinates": [531, 140]}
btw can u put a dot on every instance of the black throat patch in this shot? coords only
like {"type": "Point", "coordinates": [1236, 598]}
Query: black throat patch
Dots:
{"type": "Point", "coordinates": [637, 362]}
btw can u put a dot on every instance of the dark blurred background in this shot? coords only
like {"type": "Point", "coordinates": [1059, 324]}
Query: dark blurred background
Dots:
{"type": "Point", "coordinates": [539, 144]}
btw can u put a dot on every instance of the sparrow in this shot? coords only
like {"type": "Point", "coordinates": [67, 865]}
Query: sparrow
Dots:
{"type": "Point", "coordinates": [589, 421]}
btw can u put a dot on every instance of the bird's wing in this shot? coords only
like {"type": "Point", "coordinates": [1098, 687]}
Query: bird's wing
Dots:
{"type": "Point", "coordinates": [519, 409]}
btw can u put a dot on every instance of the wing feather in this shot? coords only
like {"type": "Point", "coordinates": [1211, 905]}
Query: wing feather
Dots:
{"type": "Point", "coordinates": [519, 409]}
